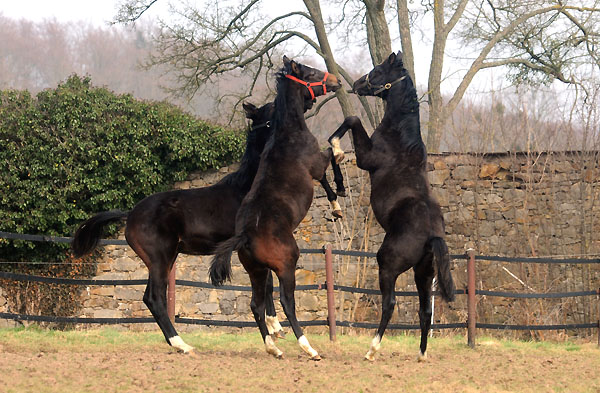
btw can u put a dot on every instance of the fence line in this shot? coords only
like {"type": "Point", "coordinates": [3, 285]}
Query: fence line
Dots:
{"type": "Point", "coordinates": [471, 292]}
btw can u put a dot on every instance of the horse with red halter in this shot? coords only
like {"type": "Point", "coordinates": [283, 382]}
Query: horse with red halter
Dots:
{"type": "Point", "coordinates": [396, 159]}
{"type": "Point", "coordinates": [192, 221]}
{"type": "Point", "coordinates": [279, 199]}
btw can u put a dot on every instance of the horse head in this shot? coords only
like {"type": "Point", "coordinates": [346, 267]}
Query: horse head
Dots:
{"type": "Point", "coordinates": [317, 82]}
{"type": "Point", "coordinates": [382, 78]}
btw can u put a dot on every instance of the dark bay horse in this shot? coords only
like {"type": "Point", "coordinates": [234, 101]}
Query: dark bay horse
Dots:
{"type": "Point", "coordinates": [190, 222]}
{"type": "Point", "coordinates": [279, 199]}
{"type": "Point", "coordinates": [396, 159]}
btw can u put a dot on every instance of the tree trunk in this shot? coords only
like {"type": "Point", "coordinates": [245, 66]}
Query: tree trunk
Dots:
{"type": "Point", "coordinates": [408, 57]}
{"type": "Point", "coordinates": [314, 10]}
{"type": "Point", "coordinates": [436, 105]}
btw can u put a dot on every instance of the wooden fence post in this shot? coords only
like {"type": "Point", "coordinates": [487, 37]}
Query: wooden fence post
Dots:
{"type": "Point", "coordinates": [471, 299]}
{"type": "Point", "coordinates": [330, 294]}
{"type": "Point", "coordinates": [598, 299]}
{"type": "Point", "coordinates": [171, 294]}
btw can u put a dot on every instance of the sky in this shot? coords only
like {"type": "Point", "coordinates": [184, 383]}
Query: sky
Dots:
{"type": "Point", "coordinates": [93, 11]}
{"type": "Point", "coordinates": [100, 12]}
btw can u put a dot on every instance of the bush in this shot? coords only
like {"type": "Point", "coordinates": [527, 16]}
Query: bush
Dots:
{"type": "Point", "coordinates": [77, 150]}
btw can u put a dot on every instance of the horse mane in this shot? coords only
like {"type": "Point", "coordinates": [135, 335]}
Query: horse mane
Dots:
{"type": "Point", "coordinates": [244, 176]}
{"type": "Point", "coordinates": [407, 105]}
{"type": "Point", "coordinates": [280, 102]}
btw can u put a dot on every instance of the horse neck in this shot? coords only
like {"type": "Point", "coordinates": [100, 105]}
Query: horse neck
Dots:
{"type": "Point", "coordinates": [401, 118]}
{"type": "Point", "coordinates": [289, 107]}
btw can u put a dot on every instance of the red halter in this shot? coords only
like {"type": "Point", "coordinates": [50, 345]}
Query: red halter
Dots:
{"type": "Point", "coordinates": [311, 84]}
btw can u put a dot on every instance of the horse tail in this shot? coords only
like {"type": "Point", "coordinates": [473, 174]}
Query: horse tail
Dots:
{"type": "Point", "coordinates": [220, 266]}
{"type": "Point", "coordinates": [442, 261]}
{"type": "Point", "coordinates": [88, 234]}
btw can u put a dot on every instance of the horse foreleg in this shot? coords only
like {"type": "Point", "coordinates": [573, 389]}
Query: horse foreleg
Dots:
{"type": "Point", "coordinates": [362, 141]}
{"type": "Point", "coordinates": [338, 178]}
{"type": "Point", "coordinates": [273, 325]}
{"type": "Point", "coordinates": [336, 209]}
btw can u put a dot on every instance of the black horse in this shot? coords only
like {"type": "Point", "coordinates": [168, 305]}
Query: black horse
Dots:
{"type": "Point", "coordinates": [190, 222]}
{"type": "Point", "coordinates": [396, 159]}
{"type": "Point", "coordinates": [279, 199]}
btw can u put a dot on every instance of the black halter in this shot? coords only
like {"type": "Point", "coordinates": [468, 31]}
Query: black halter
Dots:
{"type": "Point", "coordinates": [265, 124]}
{"type": "Point", "coordinates": [381, 88]}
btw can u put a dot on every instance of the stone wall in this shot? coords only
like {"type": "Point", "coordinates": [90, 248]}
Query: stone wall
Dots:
{"type": "Point", "coordinates": [499, 204]}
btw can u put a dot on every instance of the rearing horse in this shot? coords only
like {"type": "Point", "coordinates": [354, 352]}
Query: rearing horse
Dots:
{"type": "Point", "coordinates": [279, 199]}
{"type": "Point", "coordinates": [190, 221]}
{"type": "Point", "coordinates": [396, 159]}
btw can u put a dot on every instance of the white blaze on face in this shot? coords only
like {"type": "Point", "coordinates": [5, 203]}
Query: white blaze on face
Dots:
{"type": "Point", "coordinates": [338, 153]}
{"type": "Point", "coordinates": [177, 342]}
{"type": "Point", "coordinates": [273, 325]}
{"type": "Point", "coordinates": [304, 344]}
{"type": "Point", "coordinates": [375, 345]}
{"type": "Point", "coordinates": [272, 348]}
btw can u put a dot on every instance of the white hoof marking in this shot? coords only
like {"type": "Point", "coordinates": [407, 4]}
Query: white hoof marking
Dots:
{"type": "Point", "coordinates": [338, 153]}
{"type": "Point", "coordinates": [180, 345]}
{"type": "Point", "coordinates": [304, 344]}
{"type": "Point", "coordinates": [272, 348]}
{"type": "Point", "coordinates": [336, 209]}
{"type": "Point", "coordinates": [273, 325]}
{"type": "Point", "coordinates": [422, 357]}
{"type": "Point", "coordinates": [375, 345]}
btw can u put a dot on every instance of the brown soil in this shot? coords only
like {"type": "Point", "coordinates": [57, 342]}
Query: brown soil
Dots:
{"type": "Point", "coordinates": [452, 367]}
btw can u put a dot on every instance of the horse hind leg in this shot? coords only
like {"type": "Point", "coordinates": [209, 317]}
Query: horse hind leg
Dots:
{"type": "Point", "coordinates": [287, 285]}
{"type": "Point", "coordinates": [273, 325]}
{"type": "Point", "coordinates": [258, 279]}
{"type": "Point", "coordinates": [159, 263]}
{"type": "Point", "coordinates": [424, 273]}
{"type": "Point", "coordinates": [387, 284]}
{"type": "Point", "coordinates": [156, 301]}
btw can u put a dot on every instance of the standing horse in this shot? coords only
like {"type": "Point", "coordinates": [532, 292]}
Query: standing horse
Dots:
{"type": "Point", "coordinates": [279, 199]}
{"type": "Point", "coordinates": [396, 159]}
{"type": "Point", "coordinates": [186, 221]}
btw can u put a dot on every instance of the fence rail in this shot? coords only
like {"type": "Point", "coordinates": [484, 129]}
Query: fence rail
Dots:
{"type": "Point", "coordinates": [471, 324]}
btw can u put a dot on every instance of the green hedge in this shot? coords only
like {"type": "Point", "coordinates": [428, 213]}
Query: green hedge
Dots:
{"type": "Point", "coordinates": [76, 150]}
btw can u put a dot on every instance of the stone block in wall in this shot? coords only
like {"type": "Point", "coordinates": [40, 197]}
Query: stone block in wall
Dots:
{"type": "Point", "coordinates": [208, 308]}
{"type": "Point", "coordinates": [113, 276]}
{"type": "Point", "coordinates": [438, 177]}
{"type": "Point", "coordinates": [107, 313]}
{"type": "Point", "coordinates": [465, 172]}
{"type": "Point", "coordinates": [308, 302]}
{"type": "Point", "coordinates": [128, 293]}
{"type": "Point", "coordinates": [489, 170]}
{"type": "Point", "coordinates": [126, 265]}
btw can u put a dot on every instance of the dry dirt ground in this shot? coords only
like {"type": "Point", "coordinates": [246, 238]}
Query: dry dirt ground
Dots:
{"type": "Point", "coordinates": [120, 362]}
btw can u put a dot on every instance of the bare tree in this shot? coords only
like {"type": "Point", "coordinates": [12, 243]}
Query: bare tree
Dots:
{"type": "Point", "coordinates": [538, 40]}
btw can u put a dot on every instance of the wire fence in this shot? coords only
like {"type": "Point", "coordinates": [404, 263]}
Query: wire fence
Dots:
{"type": "Point", "coordinates": [471, 292]}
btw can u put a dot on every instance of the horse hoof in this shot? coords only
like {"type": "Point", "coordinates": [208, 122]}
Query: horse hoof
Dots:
{"type": "Point", "coordinates": [316, 358]}
{"type": "Point", "coordinates": [338, 213]}
{"type": "Point", "coordinates": [279, 334]}
{"type": "Point", "coordinates": [370, 357]}
{"type": "Point", "coordinates": [341, 193]}
{"type": "Point", "coordinates": [422, 357]}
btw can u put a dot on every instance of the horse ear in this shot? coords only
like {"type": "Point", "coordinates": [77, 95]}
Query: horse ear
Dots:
{"type": "Point", "coordinates": [286, 61]}
{"type": "Point", "coordinates": [399, 57]}
{"type": "Point", "coordinates": [392, 59]}
{"type": "Point", "coordinates": [250, 110]}
{"type": "Point", "coordinates": [295, 68]}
